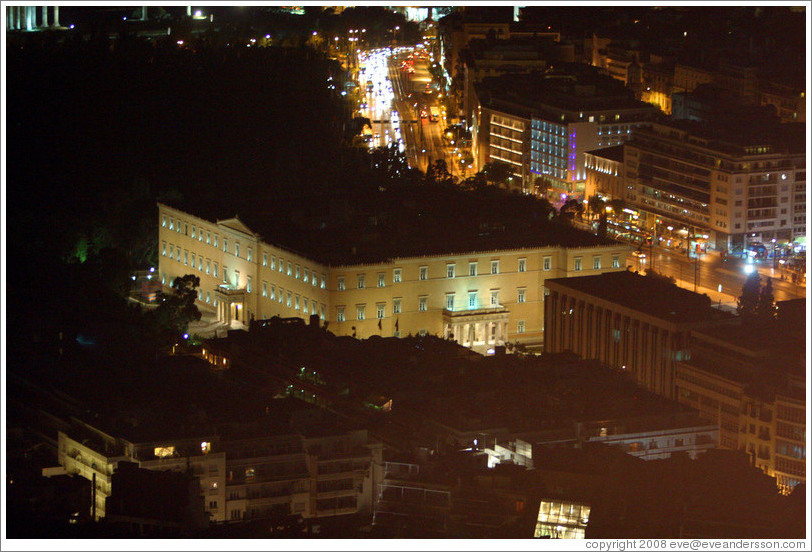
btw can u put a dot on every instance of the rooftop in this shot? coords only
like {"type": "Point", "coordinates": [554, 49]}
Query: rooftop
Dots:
{"type": "Point", "coordinates": [614, 153]}
{"type": "Point", "coordinates": [568, 86]}
{"type": "Point", "coordinates": [652, 296]}
{"type": "Point", "coordinates": [364, 228]}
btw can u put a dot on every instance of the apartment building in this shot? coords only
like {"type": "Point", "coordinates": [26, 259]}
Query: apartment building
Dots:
{"type": "Point", "coordinates": [634, 323]}
{"type": "Point", "coordinates": [719, 185]}
{"type": "Point", "coordinates": [322, 470]}
{"type": "Point", "coordinates": [480, 298]}
{"type": "Point", "coordinates": [751, 382]}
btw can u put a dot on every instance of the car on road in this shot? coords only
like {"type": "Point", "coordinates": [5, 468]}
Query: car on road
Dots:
{"type": "Point", "coordinates": [641, 256]}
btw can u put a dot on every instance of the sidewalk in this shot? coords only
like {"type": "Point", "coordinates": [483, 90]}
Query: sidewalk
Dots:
{"type": "Point", "coordinates": [722, 301]}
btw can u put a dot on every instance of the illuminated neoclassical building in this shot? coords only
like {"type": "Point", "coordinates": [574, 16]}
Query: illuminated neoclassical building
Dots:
{"type": "Point", "coordinates": [476, 294]}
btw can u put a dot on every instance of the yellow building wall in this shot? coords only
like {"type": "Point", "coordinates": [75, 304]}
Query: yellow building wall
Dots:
{"type": "Point", "coordinates": [410, 320]}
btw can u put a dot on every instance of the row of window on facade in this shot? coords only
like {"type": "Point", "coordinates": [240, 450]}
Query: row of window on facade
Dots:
{"type": "Point", "coordinates": [292, 300]}
{"type": "Point", "coordinates": [423, 301]}
{"type": "Point", "coordinates": [291, 269]}
{"type": "Point", "coordinates": [473, 270]}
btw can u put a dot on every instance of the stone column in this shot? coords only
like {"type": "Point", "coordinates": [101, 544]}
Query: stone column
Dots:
{"type": "Point", "coordinates": [44, 16]}
{"type": "Point", "coordinates": [188, 11]}
{"type": "Point", "coordinates": [56, 16]}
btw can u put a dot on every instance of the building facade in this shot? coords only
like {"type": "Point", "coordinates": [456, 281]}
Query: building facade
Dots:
{"type": "Point", "coordinates": [626, 321]}
{"type": "Point", "coordinates": [480, 299]}
{"type": "Point", "coordinates": [721, 192]}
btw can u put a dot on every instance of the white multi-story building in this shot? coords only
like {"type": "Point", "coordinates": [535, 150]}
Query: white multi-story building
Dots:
{"type": "Point", "coordinates": [719, 188]}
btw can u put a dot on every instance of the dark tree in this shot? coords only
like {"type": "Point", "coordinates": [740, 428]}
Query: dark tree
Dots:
{"type": "Point", "coordinates": [497, 173]}
{"type": "Point", "coordinates": [765, 307]}
{"type": "Point", "coordinates": [747, 303]}
{"type": "Point", "coordinates": [437, 173]}
{"type": "Point", "coordinates": [177, 309]}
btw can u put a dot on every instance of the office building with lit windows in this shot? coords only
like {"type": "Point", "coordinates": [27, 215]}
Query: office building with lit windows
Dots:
{"type": "Point", "coordinates": [573, 109]}
{"type": "Point", "coordinates": [481, 292]}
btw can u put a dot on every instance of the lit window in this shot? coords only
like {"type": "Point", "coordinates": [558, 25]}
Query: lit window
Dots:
{"type": "Point", "coordinates": [171, 224]}
{"type": "Point", "coordinates": [171, 251]}
{"type": "Point", "coordinates": [323, 281]}
{"type": "Point", "coordinates": [396, 306]}
{"type": "Point", "coordinates": [494, 298]}
{"type": "Point", "coordinates": [322, 311]}
{"type": "Point", "coordinates": [290, 268]}
{"type": "Point", "coordinates": [265, 289]}
{"type": "Point", "coordinates": [289, 301]}
{"type": "Point", "coordinates": [163, 249]}
{"type": "Point", "coordinates": [494, 267]}
{"type": "Point", "coordinates": [193, 260]}
{"type": "Point", "coordinates": [164, 452]}
{"type": "Point", "coordinates": [472, 300]}
{"type": "Point", "coordinates": [273, 292]}
{"type": "Point", "coordinates": [163, 221]}
{"type": "Point", "coordinates": [225, 275]}
{"type": "Point", "coordinates": [596, 262]}
{"type": "Point", "coordinates": [381, 279]}
{"type": "Point", "coordinates": [214, 273]}
{"type": "Point", "coordinates": [396, 275]}
{"type": "Point", "coordinates": [577, 263]}
{"type": "Point", "coordinates": [361, 281]}
{"type": "Point", "coordinates": [250, 255]}
{"type": "Point", "coordinates": [520, 326]}
{"type": "Point", "coordinates": [280, 297]}
{"type": "Point", "coordinates": [472, 269]}
{"type": "Point", "coordinates": [381, 311]}
{"type": "Point", "coordinates": [423, 273]}
{"type": "Point", "coordinates": [615, 261]}
{"type": "Point", "coordinates": [236, 249]}
{"type": "Point", "coordinates": [296, 302]}
{"type": "Point", "coordinates": [340, 314]}
{"type": "Point", "coordinates": [185, 257]}
{"type": "Point", "coordinates": [306, 277]}
{"type": "Point", "coordinates": [225, 244]}
{"type": "Point", "coordinates": [361, 312]}
{"type": "Point", "coordinates": [194, 231]}
{"type": "Point", "coordinates": [298, 272]}
{"type": "Point", "coordinates": [521, 295]}
{"type": "Point", "coordinates": [449, 301]}
{"type": "Point", "coordinates": [208, 297]}
{"type": "Point", "coordinates": [450, 270]}
{"type": "Point", "coordinates": [422, 303]}
{"type": "Point", "coordinates": [522, 265]}
{"type": "Point", "coordinates": [248, 285]}
{"type": "Point", "coordinates": [273, 263]}
{"type": "Point", "coordinates": [200, 264]}
{"type": "Point", "coordinates": [281, 265]}
{"type": "Point", "coordinates": [304, 305]}
{"type": "Point", "coordinates": [208, 238]}
{"type": "Point", "coordinates": [200, 235]}
{"type": "Point", "coordinates": [216, 238]}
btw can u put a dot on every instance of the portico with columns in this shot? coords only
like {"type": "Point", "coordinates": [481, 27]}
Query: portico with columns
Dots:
{"type": "Point", "coordinates": [24, 18]}
{"type": "Point", "coordinates": [480, 328]}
